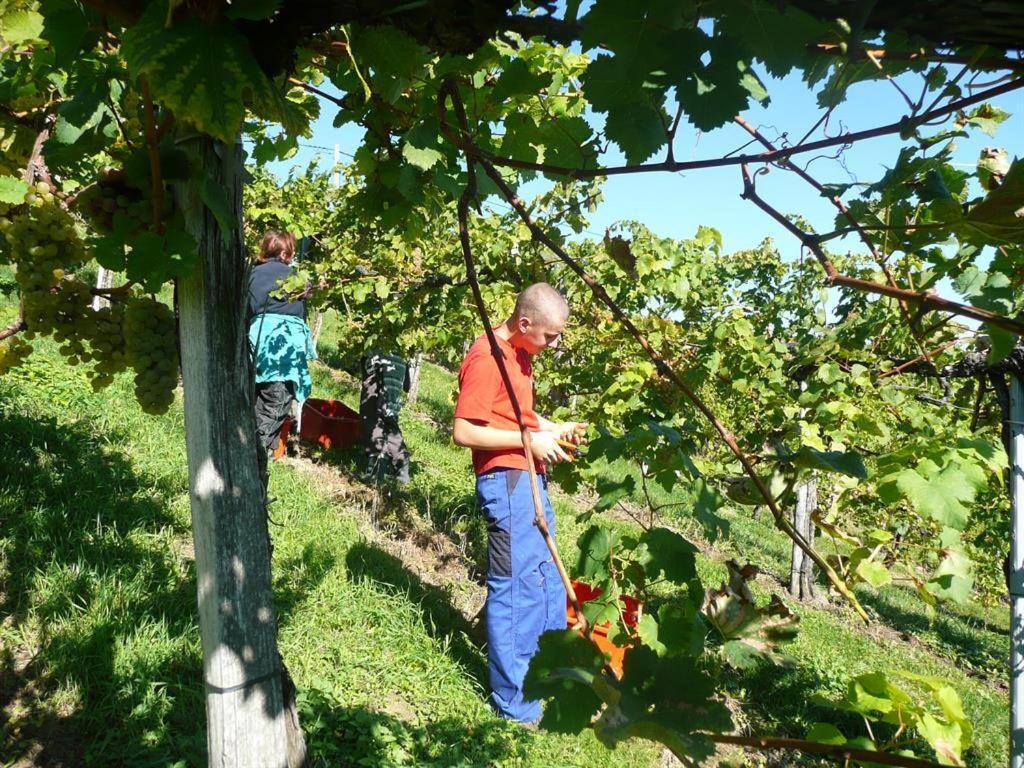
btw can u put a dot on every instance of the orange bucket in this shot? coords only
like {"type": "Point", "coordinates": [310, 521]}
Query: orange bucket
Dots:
{"type": "Point", "coordinates": [585, 593]}
{"type": "Point", "coordinates": [282, 441]}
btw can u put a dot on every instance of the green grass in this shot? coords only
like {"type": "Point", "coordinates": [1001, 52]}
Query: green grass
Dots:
{"type": "Point", "coordinates": [962, 643]}
{"type": "Point", "coordinates": [99, 653]}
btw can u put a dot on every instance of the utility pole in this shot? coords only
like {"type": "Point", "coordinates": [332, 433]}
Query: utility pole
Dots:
{"type": "Point", "coordinates": [104, 279]}
{"type": "Point", "coordinates": [1016, 432]}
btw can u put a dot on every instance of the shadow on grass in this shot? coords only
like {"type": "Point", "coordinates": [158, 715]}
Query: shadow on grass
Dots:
{"type": "Point", "coordinates": [300, 575]}
{"type": "Point", "coordinates": [986, 646]}
{"type": "Point", "coordinates": [440, 618]}
{"type": "Point", "coordinates": [447, 507]}
{"type": "Point", "coordinates": [91, 571]}
{"type": "Point", "coordinates": [339, 736]}
{"type": "Point", "coordinates": [332, 356]}
{"type": "Point", "coordinates": [76, 565]}
{"type": "Point", "coordinates": [779, 700]}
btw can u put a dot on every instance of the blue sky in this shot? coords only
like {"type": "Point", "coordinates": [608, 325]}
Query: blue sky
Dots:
{"type": "Point", "coordinates": [675, 205]}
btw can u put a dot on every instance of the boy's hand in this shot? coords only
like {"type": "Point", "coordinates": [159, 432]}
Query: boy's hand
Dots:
{"type": "Point", "coordinates": [572, 431]}
{"type": "Point", "coordinates": [545, 448]}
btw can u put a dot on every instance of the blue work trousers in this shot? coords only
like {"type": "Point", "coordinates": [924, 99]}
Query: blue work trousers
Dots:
{"type": "Point", "coordinates": [525, 595]}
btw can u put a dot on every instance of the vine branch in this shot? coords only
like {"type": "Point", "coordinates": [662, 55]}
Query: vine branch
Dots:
{"type": "Point", "coordinates": [36, 166]}
{"type": "Point", "coordinates": [926, 356]}
{"type": "Point", "coordinates": [855, 226]}
{"type": "Point", "coordinates": [884, 54]}
{"type": "Point", "coordinates": [15, 326]}
{"type": "Point", "coordinates": [669, 373]}
{"type": "Point", "coordinates": [469, 195]}
{"type": "Point", "coordinates": [907, 122]}
{"type": "Point", "coordinates": [924, 300]}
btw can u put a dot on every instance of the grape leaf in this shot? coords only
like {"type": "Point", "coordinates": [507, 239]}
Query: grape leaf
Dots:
{"type": "Point", "coordinates": [595, 547]}
{"type": "Point", "coordinates": [987, 117]}
{"type": "Point", "coordinates": [64, 27]}
{"type": "Point", "coordinates": [636, 120]}
{"type": "Point", "coordinates": [562, 670]}
{"type": "Point", "coordinates": [681, 629]}
{"type": "Point", "coordinates": [423, 158]}
{"type": "Point", "coordinates": [780, 37]}
{"type": "Point", "coordinates": [843, 462]}
{"type": "Point", "coordinates": [612, 490]}
{"type": "Point", "coordinates": [714, 93]}
{"type": "Point", "coordinates": [705, 507]}
{"type": "Point", "coordinates": [941, 494]}
{"type": "Point", "coordinates": [944, 738]}
{"type": "Point", "coordinates": [638, 127]}
{"type": "Point", "coordinates": [669, 699]}
{"type": "Point", "coordinates": [952, 579]}
{"type": "Point", "coordinates": [993, 163]}
{"type": "Point", "coordinates": [665, 552]}
{"type": "Point", "coordinates": [647, 630]}
{"type": "Point", "coordinates": [653, 46]}
{"type": "Point", "coordinates": [825, 733]}
{"type": "Point", "coordinates": [1002, 341]}
{"type": "Point", "coordinates": [216, 200]}
{"type": "Point", "coordinates": [20, 25]}
{"type": "Point", "coordinates": [874, 573]}
{"type": "Point", "coordinates": [12, 190]}
{"type": "Point", "coordinates": [205, 73]}
{"type": "Point", "coordinates": [749, 633]}
{"type": "Point", "coordinates": [1000, 215]}
{"type": "Point", "coordinates": [154, 258]}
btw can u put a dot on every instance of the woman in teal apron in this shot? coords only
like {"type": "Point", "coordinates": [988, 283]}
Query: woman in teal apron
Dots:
{"type": "Point", "coordinates": [279, 337]}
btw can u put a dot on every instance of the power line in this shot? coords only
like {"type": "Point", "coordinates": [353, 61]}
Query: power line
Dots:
{"type": "Point", "coordinates": [321, 150]}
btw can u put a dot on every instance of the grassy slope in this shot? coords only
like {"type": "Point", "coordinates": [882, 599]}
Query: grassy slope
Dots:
{"type": "Point", "coordinates": [99, 651]}
{"type": "Point", "coordinates": [96, 578]}
{"type": "Point", "coordinates": [967, 645]}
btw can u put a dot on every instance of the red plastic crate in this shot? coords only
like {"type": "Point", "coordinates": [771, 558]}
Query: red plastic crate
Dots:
{"type": "Point", "coordinates": [329, 423]}
{"type": "Point", "coordinates": [585, 593]}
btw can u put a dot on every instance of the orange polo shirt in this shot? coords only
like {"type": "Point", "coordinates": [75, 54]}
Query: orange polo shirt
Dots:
{"type": "Point", "coordinates": [483, 399]}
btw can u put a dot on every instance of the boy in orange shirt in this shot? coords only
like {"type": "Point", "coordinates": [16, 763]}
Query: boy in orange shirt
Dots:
{"type": "Point", "coordinates": [525, 595]}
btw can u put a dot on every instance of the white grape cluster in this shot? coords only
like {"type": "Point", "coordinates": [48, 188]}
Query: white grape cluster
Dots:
{"type": "Point", "coordinates": [107, 345]}
{"type": "Point", "coordinates": [113, 199]}
{"type": "Point", "coordinates": [41, 239]}
{"type": "Point", "coordinates": [151, 348]}
{"type": "Point", "coordinates": [131, 122]}
{"type": "Point", "coordinates": [13, 354]}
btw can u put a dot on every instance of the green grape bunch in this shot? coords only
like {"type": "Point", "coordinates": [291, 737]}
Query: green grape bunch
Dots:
{"type": "Point", "coordinates": [151, 348]}
{"type": "Point", "coordinates": [132, 129]}
{"type": "Point", "coordinates": [41, 239]}
{"type": "Point", "coordinates": [13, 354]}
{"type": "Point", "coordinates": [111, 200]}
{"type": "Point", "coordinates": [107, 345]}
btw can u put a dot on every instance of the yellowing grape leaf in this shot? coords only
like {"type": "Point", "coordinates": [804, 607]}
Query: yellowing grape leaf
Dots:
{"type": "Point", "coordinates": [205, 73]}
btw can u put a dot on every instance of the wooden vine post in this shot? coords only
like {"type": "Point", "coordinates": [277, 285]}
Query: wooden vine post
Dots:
{"type": "Point", "coordinates": [251, 722]}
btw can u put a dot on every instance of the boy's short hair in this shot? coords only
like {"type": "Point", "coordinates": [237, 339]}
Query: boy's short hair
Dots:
{"type": "Point", "coordinates": [540, 301]}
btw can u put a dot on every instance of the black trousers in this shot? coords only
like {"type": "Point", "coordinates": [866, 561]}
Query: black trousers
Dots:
{"type": "Point", "coordinates": [273, 405]}
{"type": "Point", "coordinates": [380, 401]}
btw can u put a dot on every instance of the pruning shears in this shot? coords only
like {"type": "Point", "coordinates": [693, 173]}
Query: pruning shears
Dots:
{"type": "Point", "coordinates": [570, 448]}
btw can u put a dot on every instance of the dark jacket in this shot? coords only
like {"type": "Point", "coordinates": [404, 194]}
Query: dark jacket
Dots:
{"type": "Point", "coordinates": [265, 294]}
